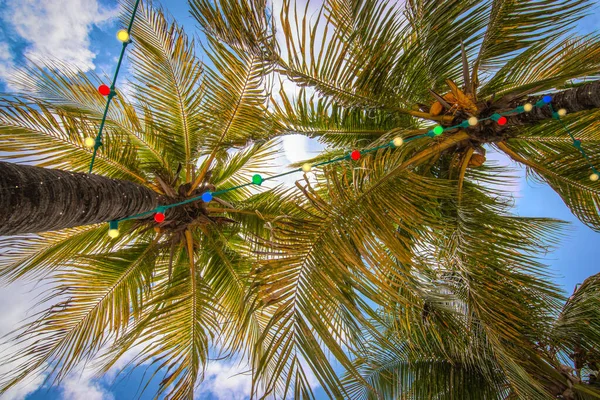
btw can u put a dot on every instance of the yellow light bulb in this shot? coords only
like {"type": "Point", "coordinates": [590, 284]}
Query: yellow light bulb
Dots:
{"type": "Point", "coordinates": [562, 112]}
{"type": "Point", "coordinates": [594, 177]}
{"type": "Point", "coordinates": [473, 121]}
{"type": "Point", "coordinates": [398, 141]}
{"type": "Point", "coordinates": [123, 35]}
{"type": "Point", "coordinates": [528, 107]}
{"type": "Point", "coordinates": [306, 167]}
{"type": "Point", "coordinates": [113, 233]}
{"type": "Point", "coordinates": [89, 142]}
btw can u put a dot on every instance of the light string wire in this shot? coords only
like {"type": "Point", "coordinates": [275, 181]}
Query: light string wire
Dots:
{"type": "Point", "coordinates": [576, 142]}
{"type": "Point", "coordinates": [355, 155]}
{"type": "Point", "coordinates": [121, 35]}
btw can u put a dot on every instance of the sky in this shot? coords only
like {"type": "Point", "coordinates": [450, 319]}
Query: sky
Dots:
{"type": "Point", "coordinates": [82, 33]}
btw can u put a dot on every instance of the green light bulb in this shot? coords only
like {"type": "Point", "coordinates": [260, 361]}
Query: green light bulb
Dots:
{"type": "Point", "coordinates": [257, 179]}
{"type": "Point", "coordinates": [438, 130]}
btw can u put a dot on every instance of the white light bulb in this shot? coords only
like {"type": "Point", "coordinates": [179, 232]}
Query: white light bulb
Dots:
{"type": "Point", "coordinates": [594, 177]}
{"type": "Point", "coordinates": [473, 121]}
{"type": "Point", "coordinates": [398, 141]}
{"type": "Point", "coordinates": [562, 112]}
{"type": "Point", "coordinates": [528, 107]}
{"type": "Point", "coordinates": [89, 142]}
{"type": "Point", "coordinates": [306, 167]}
{"type": "Point", "coordinates": [113, 233]}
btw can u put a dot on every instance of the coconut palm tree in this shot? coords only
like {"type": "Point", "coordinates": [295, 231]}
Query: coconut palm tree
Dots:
{"type": "Point", "coordinates": [184, 128]}
{"type": "Point", "coordinates": [464, 309]}
{"type": "Point", "coordinates": [404, 269]}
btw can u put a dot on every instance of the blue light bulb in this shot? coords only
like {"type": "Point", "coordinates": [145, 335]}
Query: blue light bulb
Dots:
{"type": "Point", "coordinates": [207, 197]}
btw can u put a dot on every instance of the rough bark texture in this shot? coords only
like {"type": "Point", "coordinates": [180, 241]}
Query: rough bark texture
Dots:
{"type": "Point", "coordinates": [584, 97]}
{"type": "Point", "coordinates": [34, 199]}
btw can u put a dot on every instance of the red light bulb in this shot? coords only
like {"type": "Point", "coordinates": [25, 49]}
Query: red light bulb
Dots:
{"type": "Point", "coordinates": [502, 121]}
{"type": "Point", "coordinates": [355, 155]}
{"type": "Point", "coordinates": [159, 217]}
{"type": "Point", "coordinates": [104, 90]}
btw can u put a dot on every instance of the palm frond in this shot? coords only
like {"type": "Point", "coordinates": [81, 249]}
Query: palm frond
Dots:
{"type": "Point", "coordinates": [177, 326]}
{"type": "Point", "coordinates": [243, 25]}
{"type": "Point", "coordinates": [549, 154]}
{"type": "Point", "coordinates": [94, 301]}
{"type": "Point", "coordinates": [314, 292]}
{"type": "Point", "coordinates": [238, 167]}
{"type": "Point", "coordinates": [347, 52]}
{"type": "Point", "coordinates": [236, 98]}
{"type": "Point", "coordinates": [168, 85]}
{"type": "Point", "coordinates": [37, 256]}
{"type": "Point", "coordinates": [432, 52]}
{"type": "Point", "coordinates": [545, 66]}
{"type": "Point", "coordinates": [333, 124]}
{"type": "Point", "coordinates": [50, 138]}
{"type": "Point", "coordinates": [576, 325]}
{"type": "Point", "coordinates": [397, 371]}
{"type": "Point", "coordinates": [515, 26]}
{"type": "Point", "coordinates": [64, 91]}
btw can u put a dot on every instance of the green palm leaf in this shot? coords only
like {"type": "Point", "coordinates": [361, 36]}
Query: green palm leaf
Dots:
{"type": "Point", "coordinates": [168, 83]}
{"type": "Point", "coordinates": [549, 154]}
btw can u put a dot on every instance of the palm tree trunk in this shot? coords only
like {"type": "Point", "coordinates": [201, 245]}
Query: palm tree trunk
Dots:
{"type": "Point", "coordinates": [34, 199]}
{"type": "Point", "coordinates": [584, 97]}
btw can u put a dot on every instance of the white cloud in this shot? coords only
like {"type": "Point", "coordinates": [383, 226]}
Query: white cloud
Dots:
{"type": "Point", "coordinates": [56, 29]}
{"type": "Point", "coordinates": [82, 387]}
{"type": "Point", "coordinates": [20, 301]}
{"type": "Point", "coordinates": [17, 300]}
{"type": "Point", "coordinates": [295, 148]}
{"type": "Point", "coordinates": [225, 381]}
{"type": "Point", "coordinates": [23, 388]}
{"type": "Point", "coordinates": [231, 380]}
{"type": "Point", "coordinates": [7, 64]}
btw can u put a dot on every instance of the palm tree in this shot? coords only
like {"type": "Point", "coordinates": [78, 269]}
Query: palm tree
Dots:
{"type": "Point", "coordinates": [463, 307]}
{"type": "Point", "coordinates": [406, 267]}
{"type": "Point", "coordinates": [188, 128]}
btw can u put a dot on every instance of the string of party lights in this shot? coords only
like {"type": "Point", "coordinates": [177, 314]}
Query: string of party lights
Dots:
{"type": "Point", "coordinates": [257, 179]}
{"type": "Point", "coordinates": [124, 36]}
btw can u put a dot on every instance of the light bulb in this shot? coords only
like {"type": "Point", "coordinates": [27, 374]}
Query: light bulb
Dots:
{"type": "Point", "coordinates": [355, 155]}
{"type": "Point", "coordinates": [123, 35]}
{"type": "Point", "coordinates": [207, 197]}
{"type": "Point", "coordinates": [398, 141]}
{"type": "Point", "coordinates": [438, 130]}
{"type": "Point", "coordinates": [113, 229]}
{"type": "Point", "coordinates": [159, 217]}
{"type": "Point", "coordinates": [257, 179]}
{"type": "Point", "coordinates": [562, 112]}
{"type": "Point", "coordinates": [528, 107]}
{"type": "Point", "coordinates": [547, 99]}
{"type": "Point", "coordinates": [104, 90]}
{"type": "Point", "coordinates": [473, 121]}
{"type": "Point", "coordinates": [89, 142]}
{"type": "Point", "coordinates": [594, 177]}
{"type": "Point", "coordinates": [500, 120]}
{"type": "Point", "coordinates": [306, 167]}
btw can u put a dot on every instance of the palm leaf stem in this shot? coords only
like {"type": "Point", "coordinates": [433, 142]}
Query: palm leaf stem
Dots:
{"type": "Point", "coordinates": [463, 170]}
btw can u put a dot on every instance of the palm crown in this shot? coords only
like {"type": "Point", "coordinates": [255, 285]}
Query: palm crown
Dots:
{"type": "Point", "coordinates": [406, 267]}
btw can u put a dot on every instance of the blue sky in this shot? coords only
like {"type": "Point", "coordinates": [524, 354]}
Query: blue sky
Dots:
{"type": "Point", "coordinates": [81, 32]}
